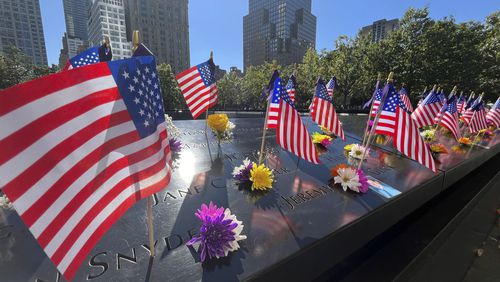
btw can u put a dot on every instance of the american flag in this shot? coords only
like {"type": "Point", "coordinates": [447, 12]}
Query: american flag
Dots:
{"type": "Point", "coordinates": [330, 87]}
{"type": "Point", "coordinates": [274, 103]}
{"type": "Point", "coordinates": [87, 57]}
{"type": "Point", "coordinates": [198, 87]}
{"type": "Point", "coordinates": [323, 112]}
{"type": "Point", "coordinates": [425, 113]}
{"type": "Point", "coordinates": [493, 115]}
{"type": "Point", "coordinates": [422, 97]}
{"type": "Point", "coordinates": [376, 102]}
{"type": "Point", "coordinates": [461, 104]}
{"type": "Point", "coordinates": [78, 148]}
{"type": "Point", "coordinates": [478, 121]}
{"type": "Point", "coordinates": [395, 121]}
{"type": "Point", "coordinates": [469, 103]}
{"type": "Point", "coordinates": [469, 111]}
{"type": "Point", "coordinates": [292, 134]}
{"type": "Point", "coordinates": [449, 117]}
{"type": "Point", "coordinates": [404, 96]}
{"type": "Point", "coordinates": [373, 95]}
{"type": "Point", "coordinates": [290, 87]}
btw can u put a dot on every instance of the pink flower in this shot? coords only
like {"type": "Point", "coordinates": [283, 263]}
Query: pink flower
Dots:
{"type": "Point", "coordinates": [363, 181]}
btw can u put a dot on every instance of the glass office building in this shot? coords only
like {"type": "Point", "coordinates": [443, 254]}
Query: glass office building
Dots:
{"type": "Point", "coordinates": [280, 30]}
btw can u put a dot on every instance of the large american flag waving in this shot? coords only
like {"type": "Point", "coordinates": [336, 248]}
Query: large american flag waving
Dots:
{"type": "Point", "coordinates": [395, 121]}
{"type": "Point", "coordinates": [323, 112]}
{"type": "Point", "coordinates": [291, 133]}
{"type": "Point", "coordinates": [199, 88]}
{"type": "Point", "coordinates": [78, 148]}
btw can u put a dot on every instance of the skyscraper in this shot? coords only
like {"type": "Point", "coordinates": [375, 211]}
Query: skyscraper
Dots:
{"type": "Point", "coordinates": [107, 18]}
{"type": "Point", "coordinates": [380, 29]}
{"type": "Point", "coordinates": [21, 26]}
{"type": "Point", "coordinates": [163, 27]}
{"type": "Point", "coordinates": [75, 15]}
{"type": "Point", "coordinates": [280, 30]}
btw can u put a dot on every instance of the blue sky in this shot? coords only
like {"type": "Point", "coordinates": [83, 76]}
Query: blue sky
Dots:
{"type": "Point", "coordinates": [218, 24]}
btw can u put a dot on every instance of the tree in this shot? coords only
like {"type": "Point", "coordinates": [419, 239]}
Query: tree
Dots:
{"type": "Point", "coordinates": [172, 97]}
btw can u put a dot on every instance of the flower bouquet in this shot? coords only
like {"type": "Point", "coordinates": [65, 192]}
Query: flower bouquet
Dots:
{"type": "Point", "coordinates": [437, 149]}
{"type": "Point", "coordinates": [259, 176]}
{"type": "Point", "coordinates": [328, 132]}
{"type": "Point", "coordinates": [220, 232]}
{"type": "Point", "coordinates": [321, 141]}
{"type": "Point", "coordinates": [485, 134]}
{"type": "Point", "coordinates": [429, 135]}
{"type": "Point", "coordinates": [356, 151]}
{"type": "Point", "coordinates": [220, 126]}
{"type": "Point", "coordinates": [465, 142]}
{"type": "Point", "coordinates": [349, 178]}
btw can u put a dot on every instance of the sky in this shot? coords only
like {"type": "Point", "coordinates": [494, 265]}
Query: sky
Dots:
{"type": "Point", "coordinates": [218, 24]}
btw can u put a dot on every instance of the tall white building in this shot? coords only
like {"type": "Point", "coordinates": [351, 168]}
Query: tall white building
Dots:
{"type": "Point", "coordinates": [107, 18]}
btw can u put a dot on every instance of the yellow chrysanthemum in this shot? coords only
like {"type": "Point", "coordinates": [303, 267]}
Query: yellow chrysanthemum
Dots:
{"type": "Point", "coordinates": [261, 177]}
{"type": "Point", "coordinates": [318, 138]}
{"type": "Point", "coordinates": [348, 147]}
{"type": "Point", "coordinates": [439, 148]}
{"type": "Point", "coordinates": [218, 122]}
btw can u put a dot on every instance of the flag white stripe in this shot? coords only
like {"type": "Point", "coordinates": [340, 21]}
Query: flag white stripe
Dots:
{"type": "Point", "coordinates": [188, 75]}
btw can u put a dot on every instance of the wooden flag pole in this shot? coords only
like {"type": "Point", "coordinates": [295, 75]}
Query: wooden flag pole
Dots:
{"type": "Point", "coordinates": [149, 210]}
{"type": "Point", "coordinates": [264, 130]}
{"type": "Point", "coordinates": [379, 77]}
{"type": "Point", "coordinates": [377, 116]}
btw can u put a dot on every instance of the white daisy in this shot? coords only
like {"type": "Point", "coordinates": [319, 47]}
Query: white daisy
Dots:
{"type": "Point", "coordinates": [234, 245]}
{"type": "Point", "coordinates": [348, 178]}
{"type": "Point", "coordinates": [357, 151]}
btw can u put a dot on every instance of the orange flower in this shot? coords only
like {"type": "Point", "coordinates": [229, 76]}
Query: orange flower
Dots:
{"type": "Point", "coordinates": [439, 148]}
{"type": "Point", "coordinates": [465, 141]}
{"type": "Point", "coordinates": [334, 171]}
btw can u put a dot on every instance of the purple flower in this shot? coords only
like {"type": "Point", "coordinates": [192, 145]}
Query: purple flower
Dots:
{"type": "Point", "coordinates": [242, 172]}
{"type": "Point", "coordinates": [175, 145]}
{"type": "Point", "coordinates": [216, 232]}
{"type": "Point", "coordinates": [363, 181]}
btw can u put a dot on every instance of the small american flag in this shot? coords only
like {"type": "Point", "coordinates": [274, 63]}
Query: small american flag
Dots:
{"type": "Point", "coordinates": [376, 102]}
{"type": "Point", "coordinates": [450, 117]}
{"type": "Point", "coordinates": [493, 115]}
{"type": "Point", "coordinates": [198, 87]}
{"type": "Point", "coordinates": [78, 148]}
{"type": "Point", "coordinates": [469, 111]}
{"type": "Point", "coordinates": [87, 57]}
{"type": "Point", "coordinates": [478, 121]}
{"type": "Point", "coordinates": [274, 103]}
{"type": "Point", "coordinates": [291, 86]}
{"type": "Point", "coordinates": [461, 104]}
{"type": "Point", "coordinates": [323, 112]}
{"type": "Point", "coordinates": [292, 134]}
{"type": "Point", "coordinates": [395, 121]}
{"type": "Point", "coordinates": [406, 100]}
{"type": "Point", "coordinates": [469, 103]}
{"type": "Point", "coordinates": [425, 113]}
{"type": "Point", "coordinates": [373, 95]}
{"type": "Point", "coordinates": [330, 87]}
